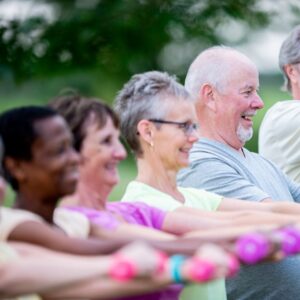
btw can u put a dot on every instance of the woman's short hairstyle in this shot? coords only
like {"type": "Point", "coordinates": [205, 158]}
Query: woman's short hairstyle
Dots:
{"type": "Point", "coordinates": [19, 132]}
{"type": "Point", "coordinates": [145, 96]}
{"type": "Point", "coordinates": [78, 111]}
{"type": "Point", "coordinates": [290, 54]}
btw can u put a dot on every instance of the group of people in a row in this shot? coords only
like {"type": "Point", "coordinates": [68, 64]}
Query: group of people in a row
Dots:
{"type": "Point", "coordinates": [192, 173]}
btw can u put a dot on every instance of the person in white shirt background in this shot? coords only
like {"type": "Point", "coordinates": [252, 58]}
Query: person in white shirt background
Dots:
{"type": "Point", "coordinates": [279, 132]}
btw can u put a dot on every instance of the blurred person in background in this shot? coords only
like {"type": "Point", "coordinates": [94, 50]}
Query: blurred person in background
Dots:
{"type": "Point", "coordinates": [280, 129]}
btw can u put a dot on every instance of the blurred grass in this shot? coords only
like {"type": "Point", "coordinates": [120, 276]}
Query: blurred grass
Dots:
{"type": "Point", "coordinates": [128, 172]}
{"type": "Point", "coordinates": [39, 92]}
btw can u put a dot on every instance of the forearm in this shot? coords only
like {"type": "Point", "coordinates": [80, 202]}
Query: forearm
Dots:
{"type": "Point", "coordinates": [219, 215]}
{"type": "Point", "coordinates": [181, 223]}
{"type": "Point", "coordinates": [107, 289]}
{"type": "Point", "coordinates": [48, 272]}
{"type": "Point", "coordinates": [131, 232]}
{"type": "Point", "coordinates": [47, 237]}
{"type": "Point", "coordinates": [291, 208]}
{"type": "Point", "coordinates": [62, 273]}
{"type": "Point", "coordinates": [228, 234]}
{"type": "Point", "coordinates": [159, 240]}
{"type": "Point", "coordinates": [258, 218]}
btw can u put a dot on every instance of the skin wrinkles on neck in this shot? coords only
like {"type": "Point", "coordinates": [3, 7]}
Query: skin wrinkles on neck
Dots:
{"type": "Point", "coordinates": [218, 138]}
{"type": "Point", "coordinates": [207, 124]}
{"type": "Point", "coordinates": [87, 196]}
{"type": "Point", "coordinates": [295, 88]}
{"type": "Point", "coordinates": [207, 127]}
{"type": "Point", "coordinates": [296, 94]}
{"type": "Point", "coordinates": [208, 131]}
{"type": "Point", "coordinates": [165, 182]}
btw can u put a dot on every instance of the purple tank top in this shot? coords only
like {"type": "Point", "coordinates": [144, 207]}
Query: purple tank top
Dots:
{"type": "Point", "coordinates": [133, 213]}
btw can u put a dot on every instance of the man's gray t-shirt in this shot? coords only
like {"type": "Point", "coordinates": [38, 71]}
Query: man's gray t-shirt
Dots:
{"type": "Point", "coordinates": [220, 169]}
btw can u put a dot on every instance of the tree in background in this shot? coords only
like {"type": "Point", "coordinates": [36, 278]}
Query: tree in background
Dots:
{"type": "Point", "coordinates": [118, 37]}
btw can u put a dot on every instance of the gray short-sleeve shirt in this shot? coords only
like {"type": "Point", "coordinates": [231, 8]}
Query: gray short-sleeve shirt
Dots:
{"type": "Point", "coordinates": [220, 169]}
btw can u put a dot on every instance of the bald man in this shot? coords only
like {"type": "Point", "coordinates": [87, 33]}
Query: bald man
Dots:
{"type": "Point", "coordinates": [225, 83]}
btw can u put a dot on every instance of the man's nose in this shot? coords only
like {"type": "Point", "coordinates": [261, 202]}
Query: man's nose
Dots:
{"type": "Point", "coordinates": [257, 103]}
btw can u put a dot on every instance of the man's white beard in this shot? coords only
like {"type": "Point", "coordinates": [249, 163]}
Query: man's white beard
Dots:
{"type": "Point", "coordinates": [244, 135]}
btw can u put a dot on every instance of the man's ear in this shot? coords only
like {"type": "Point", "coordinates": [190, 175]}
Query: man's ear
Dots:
{"type": "Point", "coordinates": [292, 72]}
{"type": "Point", "coordinates": [15, 168]}
{"type": "Point", "coordinates": [208, 96]}
{"type": "Point", "coordinates": [145, 131]}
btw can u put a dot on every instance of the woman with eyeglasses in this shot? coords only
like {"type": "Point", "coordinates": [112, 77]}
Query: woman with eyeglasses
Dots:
{"type": "Point", "coordinates": [158, 120]}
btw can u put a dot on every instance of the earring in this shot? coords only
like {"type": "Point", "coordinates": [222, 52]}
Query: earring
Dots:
{"type": "Point", "coordinates": [151, 144]}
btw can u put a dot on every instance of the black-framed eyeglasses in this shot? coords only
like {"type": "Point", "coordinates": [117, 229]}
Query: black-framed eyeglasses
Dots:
{"type": "Point", "coordinates": [187, 127]}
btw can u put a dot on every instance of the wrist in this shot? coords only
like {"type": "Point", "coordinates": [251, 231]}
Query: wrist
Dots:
{"type": "Point", "coordinates": [121, 268]}
{"type": "Point", "coordinates": [200, 270]}
{"type": "Point", "coordinates": [176, 263]}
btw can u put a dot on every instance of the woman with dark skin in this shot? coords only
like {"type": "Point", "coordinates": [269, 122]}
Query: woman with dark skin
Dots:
{"type": "Point", "coordinates": [41, 165]}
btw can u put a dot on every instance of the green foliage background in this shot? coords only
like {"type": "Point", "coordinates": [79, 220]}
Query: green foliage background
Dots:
{"type": "Point", "coordinates": [94, 46]}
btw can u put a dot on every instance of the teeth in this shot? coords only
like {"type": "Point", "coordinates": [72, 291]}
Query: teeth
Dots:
{"type": "Point", "coordinates": [111, 166]}
{"type": "Point", "coordinates": [247, 117]}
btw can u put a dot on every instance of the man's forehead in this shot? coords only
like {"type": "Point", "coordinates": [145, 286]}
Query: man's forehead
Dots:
{"type": "Point", "coordinates": [244, 74]}
{"type": "Point", "coordinates": [250, 86]}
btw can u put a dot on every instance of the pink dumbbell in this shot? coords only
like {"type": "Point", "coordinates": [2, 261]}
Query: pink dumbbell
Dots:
{"type": "Point", "coordinates": [252, 248]}
{"type": "Point", "coordinates": [202, 270]}
{"type": "Point", "coordinates": [289, 239]}
{"type": "Point", "coordinates": [122, 269]}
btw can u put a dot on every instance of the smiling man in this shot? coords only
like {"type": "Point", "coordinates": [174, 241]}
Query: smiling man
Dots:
{"type": "Point", "coordinates": [224, 83]}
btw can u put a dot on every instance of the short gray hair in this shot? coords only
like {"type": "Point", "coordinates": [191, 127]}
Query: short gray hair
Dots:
{"type": "Point", "coordinates": [212, 66]}
{"type": "Point", "coordinates": [290, 54]}
{"type": "Point", "coordinates": [144, 97]}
